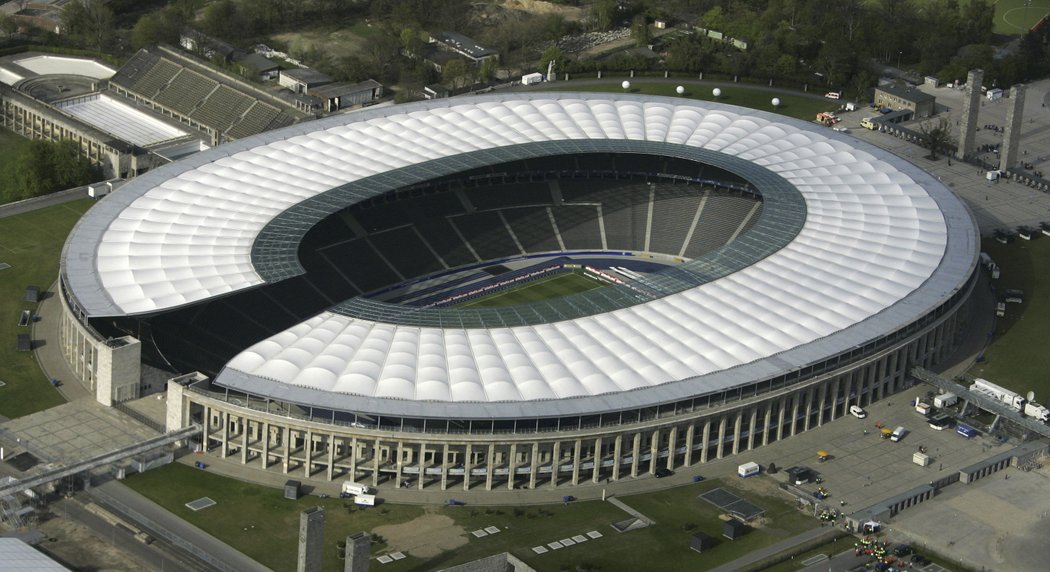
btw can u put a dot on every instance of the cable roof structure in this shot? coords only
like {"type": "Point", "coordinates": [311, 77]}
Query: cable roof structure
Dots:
{"type": "Point", "coordinates": [853, 245]}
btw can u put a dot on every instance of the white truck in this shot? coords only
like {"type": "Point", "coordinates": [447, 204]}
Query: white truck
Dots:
{"type": "Point", "coordinates": [1000, 394]}
{"type": "Point", "coordinates": [1036, 411]}
{"type": "Point", "coordinates": [748, 469]}
{"type": "Point", "coordinates": [350, 488]}
{"type": "Point", "coordinates": [945, 400]}
{"type": "Point", "coordinates": [532, 78]}
{"type": "Point", "coordinates": [898, 434]}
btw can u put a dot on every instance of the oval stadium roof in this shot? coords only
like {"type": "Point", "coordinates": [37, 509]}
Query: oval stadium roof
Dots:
{"type": "Point", "coordinates": [882, 244]}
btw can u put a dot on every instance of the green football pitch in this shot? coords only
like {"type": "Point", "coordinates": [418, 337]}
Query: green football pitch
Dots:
{"type": "Point", "coordinates": [543, 289]}
{"type": "Point", "coordinates": [1017, 16]}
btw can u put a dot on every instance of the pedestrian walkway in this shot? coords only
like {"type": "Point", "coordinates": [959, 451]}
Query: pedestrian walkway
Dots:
{"type": "Point", "coordinates": [48, 349]}
{"type": "Point", "coordinates": [622, 506]}
{"type": "Point", "coordinates": [823, 534]}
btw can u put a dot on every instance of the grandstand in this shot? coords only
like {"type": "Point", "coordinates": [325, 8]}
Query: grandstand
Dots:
{"type": "Point", "coordinates": [730, 316]}
{"type": "Point", "coordinates": [222, 106]}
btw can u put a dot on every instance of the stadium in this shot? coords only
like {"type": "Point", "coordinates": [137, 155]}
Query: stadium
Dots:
{"type": "Point", "coordinates": [517, 290]}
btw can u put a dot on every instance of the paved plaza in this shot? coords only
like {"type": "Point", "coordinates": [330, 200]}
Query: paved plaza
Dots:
{"type": "Point", "coordinates": [74, 431]}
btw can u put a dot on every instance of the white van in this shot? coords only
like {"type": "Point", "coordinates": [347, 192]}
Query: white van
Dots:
{"type": "Point", "coordinates": [856, 411]}
{"type": "Point", "coordinates": [748, 469]}
{"type": "Point", "coordinates": [898, 434]}
{"type": "Point", "coordinates": [833, 95]}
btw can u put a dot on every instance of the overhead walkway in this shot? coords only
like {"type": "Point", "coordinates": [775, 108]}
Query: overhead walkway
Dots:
{"type": "Point", "coordinates": [101, 460]}
{"type": "Point", "coordinates": [1000, 410]}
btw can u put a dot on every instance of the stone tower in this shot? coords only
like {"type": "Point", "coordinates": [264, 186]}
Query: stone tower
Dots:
{"type": "Point", "coordinates": [971, 105]}
{"type": "Point", "coordinates": [1008, 156]}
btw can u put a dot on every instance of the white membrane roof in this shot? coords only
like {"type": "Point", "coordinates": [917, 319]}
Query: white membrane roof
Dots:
{"type": "Point", "coordinates": [48, 65]}
{"type": "Point", "coordinates": [875, 249]}
{"type": "Point", "coordinates": [120, 120]}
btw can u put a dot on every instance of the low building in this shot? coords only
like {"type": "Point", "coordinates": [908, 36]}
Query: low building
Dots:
{"type": "Point", "coordinates": [336, 96]}
{"type": "Point", "coordinates": [257, 66]}
{"type": "Point", "coordinates": [910, 98]}
{"type": "Point", "coordinates": [435, 91]}
{"type": "Point", "coordinates": [464, 46]}
{"type": "Point", "coordinates": [302, 80]}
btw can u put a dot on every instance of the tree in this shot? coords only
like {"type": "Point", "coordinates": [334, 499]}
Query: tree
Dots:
{"type": "Point", "coordinates": [640, 30]}
{"type": "Point", "coordinates": [551, 54]}
{"type": "Point", "coordinates": [161, 27]}
{"type": "Point", "coordinates": [43, 167]}
{"type": "Point", "coordinates": [452, 72]}
{"type": "Point", "coordinates": [936, 136]}
{"type": "Point", "coordinates": [8, 25]}
{"type": "Point", "coordinates": [411, 42]}
{"type": "Point", "coordinates": [90, 21]}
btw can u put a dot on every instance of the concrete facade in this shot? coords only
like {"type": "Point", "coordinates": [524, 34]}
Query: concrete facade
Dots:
{"type": "Point", "coordinates": [358, 552]}
{"type": "Point", "coordinates": [280, 438]}
{"type": "Point", "coordinates": [1012, 135]}
{"type": "Point", "coordinates": [311, 540]}
{"type": "Point", "coordinates": [971, 107]}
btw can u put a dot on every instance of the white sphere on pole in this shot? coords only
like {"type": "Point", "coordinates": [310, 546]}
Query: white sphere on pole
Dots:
{"type": "Point", "coordinates": [716, 92]}
{"type": "Point", "coordinates": [680, 89]}
{"type": "Point", "coordinates": [776, 102]}
{"type": "Point", "coordinates": [626, 84]}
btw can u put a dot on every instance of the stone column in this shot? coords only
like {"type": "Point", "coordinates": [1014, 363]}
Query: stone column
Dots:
{"type": "Point", "coordinates": [534, 465]}
{"type": "Point", "coordinates": [765, 427]}
{"type": "Point", "coordinates": [555, 463]}
{"type": "Point", "coordinates": [794, 412]}
{"type": "Point", "coordinates": [672, 445]}
{"type": "Point", "coordinates": [375, 462]}
{"type": "Point", "coordinates": [287, 448]}
{"type": "Point", "coordinates": [617, 457]}
{"type": "Point", "coordinates": [308, 454]}
{"type": "Point", "coordinates": [780, 417]}
{"type": "Point", "coordinates": [706, 438]}
{"type": "Point", "coordinates": [265, 445]}
{"type": "Point", "coordinates": [244, 441]}
{"type": "Point", "coordinates": [398, 463]}
{"type": "Point", "coordinates": [737, 425]}
{"type": "Point", "coordinates": [719, 447]}
{"type": "Point", "coordinates": [971, 107]}
{"type": "Point", "coordinates": [467, 467]}
{"type": "Point", "coordinates": [1012, 135]}
{"type": "Point", "coordinates": [353, 458]}
{"type": "Point", "coordinates": [654, 451]}
{"type": "Point", "coordinates": [751, 423]}
{"type": "Point", "coordinates": [224, 446]}
{"type": "Point", "coordinates": [690, 437]}
{"type": "Point", "coordinates": [598, 457]}
{"type": "Point", "coordinates": [444, 466]}
{"type": "Point", "coordinates": [206, 429]}
{"type": "Point", "coordinates": [636, 454]}
{"type": "Point", "coordinates": [577, 448]}
{"type": "Point", "coordinates": [423, 465]}
{"type": "Point", "coordinates": [512, 466]}
{"type": "Point", "coordinates": [490, 468]}
{"type": "Point", "coordinates": [331, 456]}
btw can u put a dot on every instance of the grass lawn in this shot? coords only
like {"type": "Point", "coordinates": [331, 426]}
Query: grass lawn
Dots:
{"type": "Point", "coordinates": [1014, 18]}
{"type": "Point", "coordinates": [31, 244]}
{"type": "Point", "coordinates": [1017, 358]}
{"type": "Point", "coordinates": [797, 106]}
{"type": "Point", "coordinates": [10, 143]}
{"type": "Point", "coordinates": [543, 289]}
{"type": "Point", "coordinates": [272, 525]}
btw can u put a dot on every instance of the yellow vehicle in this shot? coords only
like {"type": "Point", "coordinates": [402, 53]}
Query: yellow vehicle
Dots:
{"type": "Point", "coordinates": [867, 123]}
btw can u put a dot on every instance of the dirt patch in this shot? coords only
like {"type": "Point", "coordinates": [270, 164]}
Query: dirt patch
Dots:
{"type": "Point", "coordinates": [424, 537]}
{"type": "Point", "coordinates": [571, 13]}
{"type": "Point", "coordinates": [76, 545]}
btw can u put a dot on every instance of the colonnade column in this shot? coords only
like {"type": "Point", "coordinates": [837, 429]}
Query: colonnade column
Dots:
{"type": "Point", "coordinates": [512, 466]}
{"type": "Point", "coordinates": [834, 399]}
{"type": "Point", "coordinates": [206, 429]}
{"type": "Point", "coordinates": [353, 458]}
{"type": "Point", "coordinates": [398, 463]}
{"type": "Point", "coordinates": [287, 448]}
{"type": "Point", "coordinates": [308, 454]}
{"type": "Point", "coordinates": [654, 451]}
{"type": "Point", "coordinates": [577, 448]}
{"type": "Point", "coordinates": [705, 439]}
{"type": "Point", "coordinates": [375, 462]}
{"type": "Point", "coordinates": [737, 425]}
{"type": "Point", "coordinates": [555, 464]}
{"type": "Point", "coordinates": [690, 436]}
{"type": "Point", "coordinates": [534, 464]}
{"type": "Point", "coordinates": [490, 469]}
{"type": "Point", "coordinates": [636, 453]}
{"type": "Point", "coordinates": [331, 456]}
{"type": "Point", "coordinates": [444, 467]}
{"type": "Point", "coordinates": [766, 422]}
{"type": "Point", "coordinates": [467, 466]}
{"type": "Point", "coordinates": [617, 455]}
{"type": "Point", "coordinates": [794, 412]}
{"type": "Point", "coordinates": [721, 438]}
{"type": "Point", "coordinates": [598, 458]}
{"type": "Point", "coordinates": [244, 441]}
{"type": "Point", "coordinates": [751, 429]}
{"type": "Point", "coordinates": [672, 445]}
{"type": "Point", "coordinates": [423, 465]}
{"type": "Point", "coordinates": [224, 448]}
{"type": "Point", "coordinates": [265, 445]}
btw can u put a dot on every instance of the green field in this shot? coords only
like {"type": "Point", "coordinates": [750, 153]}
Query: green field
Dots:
{"type": "Point", "coordinates": [1012, 17]}
{"type": "Point", "coordinates": [31, 244]}
{"type": "Point", "coordinates": [1017, 358]}
{"type": "Point", "coordinates": [542, 289]}
{"type": "Point", "coordinates": [263, 525]}
{"type": "Point", "coordinates": [10, 144]}
{"type": "Point", "coordinates": [797, 106]}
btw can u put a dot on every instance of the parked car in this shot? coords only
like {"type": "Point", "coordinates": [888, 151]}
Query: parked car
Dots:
{"type": "Point", "coordinates": [857, 411]}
